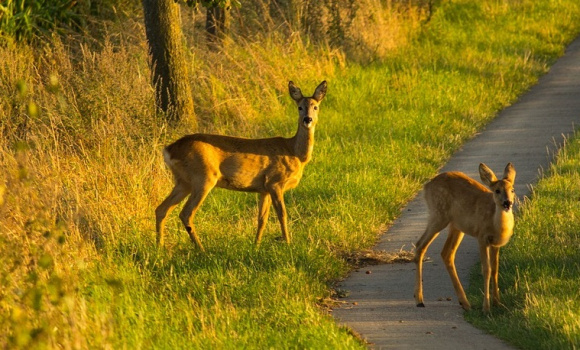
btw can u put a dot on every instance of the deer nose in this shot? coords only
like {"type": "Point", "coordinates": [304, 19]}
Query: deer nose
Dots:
{"type": "Point", "coordinates": [307, 120]}
{"type": "Point", "coordinates": [507, 205]}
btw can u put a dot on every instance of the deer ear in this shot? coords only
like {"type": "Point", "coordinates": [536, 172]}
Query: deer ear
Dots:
{"type": "Point", "coordinates": [320, 91]}
{"type": "Point", "coordinates": [487, 176]}
{"type": "Point", "coordinates": [509, 174]}
{"type": "Point", "coordinates": [295, 92]}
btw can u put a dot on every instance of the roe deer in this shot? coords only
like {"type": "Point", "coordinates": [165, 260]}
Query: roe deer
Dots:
{"type": "Point", "coordinates": [465, 206]}
{"type": "Point", "coordinates": [270, 166]}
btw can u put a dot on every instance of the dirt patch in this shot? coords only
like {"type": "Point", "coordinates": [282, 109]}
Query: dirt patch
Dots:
{"type": "Point", "coordinates": [377, 257]}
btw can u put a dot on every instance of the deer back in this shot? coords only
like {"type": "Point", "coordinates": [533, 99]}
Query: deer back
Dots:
{"type": "Point", "coordinates": [235, 163]}
{"type": "Point", "coordinates": [471, 207]}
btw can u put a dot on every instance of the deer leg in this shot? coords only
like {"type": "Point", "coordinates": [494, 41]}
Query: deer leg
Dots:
{"type": "Point", "coordinates": [263, 211]}
{"type": "Point", "coordinates": [278, 202]}
{"type": "Point", "coordinates": [434, 226]}
{"type": "Point", "coordinates": [177, 195]}
{"type": "Point", "coordinates": [453, 241]}
{"type": "Point", "coordinates": [486, 271]}
{"type": "Point", "coordinates": [494, 256]}
{"type": "Point", "coordinates": [188, 212]}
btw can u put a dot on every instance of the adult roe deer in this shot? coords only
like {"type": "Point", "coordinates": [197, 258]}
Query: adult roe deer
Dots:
{"type": "Point", "coordinates": [465, 206]}
{"type": "Point", "coordinates": [269, 166]}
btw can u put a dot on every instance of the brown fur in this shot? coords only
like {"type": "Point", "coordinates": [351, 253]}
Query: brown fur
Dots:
{"type": "Point", "coordinates": [465, 206]}
{"type": "Point", "coordinates": [270, 166]}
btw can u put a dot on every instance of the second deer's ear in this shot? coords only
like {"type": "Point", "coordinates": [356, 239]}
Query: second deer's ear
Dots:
{"type": "Point", "coordinates": [509, 173]}
{"type": "Point", "coordinates": [487, 176]}
{"type": "Point", "coordinates": [295, 92]}
{"type": "Point", "coordinates": [320, 91]}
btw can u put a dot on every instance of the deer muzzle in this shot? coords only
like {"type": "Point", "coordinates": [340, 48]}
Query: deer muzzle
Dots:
{"type": "Point", "coordinates": [507, 205]}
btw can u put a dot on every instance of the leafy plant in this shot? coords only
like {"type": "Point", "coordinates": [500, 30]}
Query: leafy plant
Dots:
{"type": "Point", "coordinates": [29, 19]}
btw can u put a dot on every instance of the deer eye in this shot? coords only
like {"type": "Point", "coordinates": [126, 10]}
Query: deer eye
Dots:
{"type": "Point", "coordinates": [315, 107]}
{"type": "Point", "coordinates": [497, 191]}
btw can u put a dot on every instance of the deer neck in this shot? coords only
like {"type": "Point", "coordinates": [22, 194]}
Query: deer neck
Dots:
{"type": "Point", "coordinates": [504, 225]}
{"type": "Point", "coordinates": [303, 144]}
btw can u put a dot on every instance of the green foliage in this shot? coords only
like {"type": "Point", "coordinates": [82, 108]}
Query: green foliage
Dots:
{"type": "Point", "coordinates": [540, 267]}
{"type": "Point", "coordinates": [28, 19]}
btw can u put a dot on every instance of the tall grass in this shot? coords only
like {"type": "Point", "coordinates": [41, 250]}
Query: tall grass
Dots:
{"type": "Point", "coordinates": [82, 171]}
{"type": "Point", "coordinates": [540, 267]}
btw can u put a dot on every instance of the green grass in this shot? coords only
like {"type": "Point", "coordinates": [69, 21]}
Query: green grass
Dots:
{"type": "Point", "coordinates": [540, 267]}
{"type": "Point", "coordinates": [83, 175]}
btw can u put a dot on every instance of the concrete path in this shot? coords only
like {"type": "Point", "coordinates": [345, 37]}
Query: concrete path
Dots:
{"type": "Point", "coordinates": [380, 306]}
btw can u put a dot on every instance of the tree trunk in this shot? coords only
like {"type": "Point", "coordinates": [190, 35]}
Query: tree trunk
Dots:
{"type": "Point", "coordinates": [168, 62]}
{"type": "Point", "coordinates": [216, 25]}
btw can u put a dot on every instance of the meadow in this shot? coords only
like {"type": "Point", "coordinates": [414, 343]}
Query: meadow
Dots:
{"type": "Point", "coordinates": [82, 171]}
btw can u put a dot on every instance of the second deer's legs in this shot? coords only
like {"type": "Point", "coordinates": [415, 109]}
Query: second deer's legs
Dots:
{"type": "Point", "coordinates": [453, 241]}
{"type": "Point", "coordinates": [484, 251]}
{"type": "Point", "coordinates": [494, 257]}
{"type": "Point", "coordinates": [263, 211]}
{"type": "Point", "coordinates": [434, 226]}
{"type": "Point", "coordinates": [188, 212]}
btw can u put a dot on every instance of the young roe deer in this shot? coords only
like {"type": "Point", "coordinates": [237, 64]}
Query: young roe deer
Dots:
{"type": "Point", "coordinates": [269, 166]}
{"type": "Point", "coordinates": [465, 206]}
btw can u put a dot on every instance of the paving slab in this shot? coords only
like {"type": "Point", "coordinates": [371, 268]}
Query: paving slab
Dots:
{"type": "Point", "coordinates": [380, 305]}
